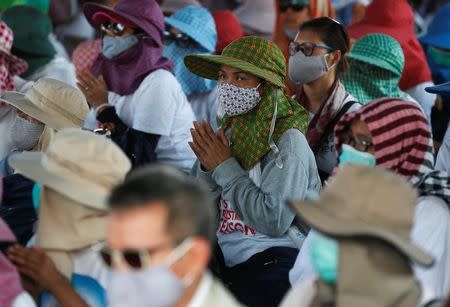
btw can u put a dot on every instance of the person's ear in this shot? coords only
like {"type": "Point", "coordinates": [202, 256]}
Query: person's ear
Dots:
{"type": "Point", "coordinates": [196, 260]}
{"type": "Point", "coordinates": [334, 58]}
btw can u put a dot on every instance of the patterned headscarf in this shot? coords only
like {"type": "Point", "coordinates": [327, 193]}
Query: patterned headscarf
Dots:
{"type": "Point", "coordinates": [10, 286]}
{"type": "Point", "coordinates": [376, 66]}
{"type": "Point", "coordinates": [402, 143]}
{"type": "Point", "coordinates": [251, 132]}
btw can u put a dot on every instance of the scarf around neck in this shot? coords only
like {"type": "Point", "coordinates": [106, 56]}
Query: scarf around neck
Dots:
{"type": "Point", "coordinates": [402, 143]}
{"type": "Point", "coordinates": [326, 114]}
{"type": "Point", "coordinates": [124, 73]}
{"type": "Point", "coordinates": [250, 132]}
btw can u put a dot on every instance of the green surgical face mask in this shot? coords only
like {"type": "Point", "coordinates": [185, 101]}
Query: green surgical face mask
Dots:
{"type": "Point", "coordinates": [324, 257]}
{"type": "Point", "coordinates": [440, 57]}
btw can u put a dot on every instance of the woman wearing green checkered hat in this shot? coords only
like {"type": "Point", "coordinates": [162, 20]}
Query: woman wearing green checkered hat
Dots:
{"type": "Point", "coordinates": [258, 159]}
{"type": "Point", "coordinates": [376, 66]}
{"type": "Point", "coordinates": [316, 65]}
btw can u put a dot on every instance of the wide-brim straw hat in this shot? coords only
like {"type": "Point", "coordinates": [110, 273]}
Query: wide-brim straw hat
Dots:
{"type": "Point", "coordinates": [366, 202]}
{"type": "Point", "coordinates": [79, 164]}
{"type": "Point", "coordinates": [52, 102]}
{"type": "Point", "coordinates": [255, 55]}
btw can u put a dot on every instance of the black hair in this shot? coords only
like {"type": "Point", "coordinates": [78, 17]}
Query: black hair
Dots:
{"type": "Point", "coordinates": [191, 211]}
{"type": "Point", "coordinates": [334, 35]}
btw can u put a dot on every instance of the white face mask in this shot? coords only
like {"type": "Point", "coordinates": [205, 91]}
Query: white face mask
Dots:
{"type": "Point", "coordinates": [25, 134]}
{"type": "Point", "coordinates": [305, 69]}
{"type": "Point", "coordinates": [235, 100]}
{"type": "Point", "coordinates": [114, 45]}
{"type": "Point", "coordinates": [156, 286]}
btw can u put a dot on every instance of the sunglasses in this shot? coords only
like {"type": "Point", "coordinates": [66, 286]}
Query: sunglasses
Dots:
{"type": "Point", "coordinates": [285, 5]}
{"type": "Point", "coordinates": [138, 259]}
{"type": "Point", "coordinates": [116, 28]}
{"type": "Point", "coordinates": [181, 39]}
{"type": "Point", "coordinates": [306, 48]}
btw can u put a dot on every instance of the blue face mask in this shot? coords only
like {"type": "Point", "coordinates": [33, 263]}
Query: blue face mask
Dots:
{"type": "Point", "coordinates": [350, 155]}
{"type": "Point", "coordinates": [36, 196]}
{"type": "Point", "coordinates": [114, 45]}
{"type": "Point", "coordinates": [324, 257]}
{"type": "Point", "coordinates": [191, 83]}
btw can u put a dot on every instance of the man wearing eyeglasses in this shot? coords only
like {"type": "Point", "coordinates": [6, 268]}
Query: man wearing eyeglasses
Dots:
{"type": "Point", "coordinates": [159, 243]}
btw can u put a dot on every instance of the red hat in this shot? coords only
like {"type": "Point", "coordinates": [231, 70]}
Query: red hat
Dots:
{"type": "Point", "coordinates": [396, 18]}
{"type": "Point", "coordinates": [17, 66]}
{"type": "Point", "coordinates": [228, 29]}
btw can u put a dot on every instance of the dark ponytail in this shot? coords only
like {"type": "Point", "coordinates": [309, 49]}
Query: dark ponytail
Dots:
{"type": "Point", "coordinates": [334, 35]}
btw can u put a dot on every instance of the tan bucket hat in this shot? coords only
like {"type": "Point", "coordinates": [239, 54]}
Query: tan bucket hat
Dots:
{"type": "Point", "coordinates": [52, 102]}
{"type": "Point", "coordinates": [363, 201]}
{"type": "Point", "coordinates": [79, 164]}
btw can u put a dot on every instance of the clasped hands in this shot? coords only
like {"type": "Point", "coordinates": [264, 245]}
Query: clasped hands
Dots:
{"type": "Point", "coordinates": [211, 148]}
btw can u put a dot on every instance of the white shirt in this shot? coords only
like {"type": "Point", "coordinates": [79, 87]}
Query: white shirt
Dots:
{"type": "Point", "coordinates": [59, 68]}
{"type": "Point", "coordinates": [425, 99]}
{"type": "Point", "coordinates": [431, 231]}
{"type": "Point", "coordinates": [23, 300]}
{"type": "Point", "coordinates": [158, 106]}
{"type": "Point", "coordinates": [202, 291]}
{"type": "Point", "coordinates": [443, 157]}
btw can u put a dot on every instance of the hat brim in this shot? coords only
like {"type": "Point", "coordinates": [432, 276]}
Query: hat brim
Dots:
{"type": "Point", "coordinates": [439, 89]}
{"type": "Point", "coordinates": [187, 29]}
{"type": "Point", "coordinates": [441, 40]}
{"type": "Point", "coordinates": [316, 215]}
{"type": "Point", "coordinates": [29, 164]}
{"type": "Point", "coordinates": [208, 66]}
{"type": "Point", "coordinates": [372, 61]}
{"type": "Point", "coordinates": [19, 101]}
{"type": "Point", "coordinates": [92, 9]}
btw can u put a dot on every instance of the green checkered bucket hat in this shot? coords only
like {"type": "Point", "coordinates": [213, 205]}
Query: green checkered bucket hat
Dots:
{"type": "Point", "coordinates": [376, 65]}
{"type": "Point", "coordinates": [252, 54]}
{"type": "Point", "coordinates": [251, 135]}
{"type": "Point", "coordinates": [379, 50]}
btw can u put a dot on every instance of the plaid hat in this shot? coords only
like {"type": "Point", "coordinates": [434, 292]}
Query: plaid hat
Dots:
{"type": "Point", "coordinates": [376, 65]}
{"type": "Point", "coordinates": [250, 133]}
{"type": "Point", "coordinates": [198, 23]}
{"type": "Point", "coordinates": [16, 66]}
{"type": "Point", "coordinates": [252, 54]}
{"type": "Point", "coordinates": [379, 50]}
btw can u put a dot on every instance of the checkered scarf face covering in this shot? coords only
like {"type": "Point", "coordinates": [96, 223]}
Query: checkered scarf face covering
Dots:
{"type": "Point", "coordinates": [367, 82]}
{"type": "Point", "coordinates": [250, 132]}
{"type": "Point", "coordinates": [402, 143]}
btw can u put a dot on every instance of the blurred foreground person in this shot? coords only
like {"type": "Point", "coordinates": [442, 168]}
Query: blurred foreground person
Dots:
{"type": "Point", "coordinates": [160, 234]}
{"type": "Point", "coordinates": [361, 254]}
{"type": "Point", "coordinates": [75, 175]}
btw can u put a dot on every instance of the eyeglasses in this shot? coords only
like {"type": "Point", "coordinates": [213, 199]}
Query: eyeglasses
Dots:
{"type": "Point", "coordinates": [361, 145]}
{"type": "Point", "coordinates": [285, 5]}
{"type": "Point", "coordinates": [307, 48]}
{"type": "Point", "coordinates": [134, 258]}
{"type": "Point", "coordinates": [140, 258]}
{"type": "Point", "coordinates": [116, 28]}
{"type": "Point", "coordinates": [181, 39]}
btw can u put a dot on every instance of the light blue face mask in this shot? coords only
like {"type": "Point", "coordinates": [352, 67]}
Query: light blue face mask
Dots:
{"type": "Point", "coordinates": [114, 45]}
{"type": "Point", "coordinates": [324, 257]}
{"type": "Point", "coordinates": [350, 155]}
{"type": "Point", "coordinates": [36, 196]}
{"type": "Point", "coordinates": [191, 83]}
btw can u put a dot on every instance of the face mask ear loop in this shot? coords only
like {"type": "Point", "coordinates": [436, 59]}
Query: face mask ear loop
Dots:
{"type": "Point", "coordinates": [273, 146]}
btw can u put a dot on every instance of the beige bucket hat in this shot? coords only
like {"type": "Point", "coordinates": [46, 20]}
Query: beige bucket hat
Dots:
{"type": "Point", "coordinates": [52, 102]}
{"type": "Point", "coordinates": [363, 201]}
{"type": "Point", "coordinates": [79, 164]}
